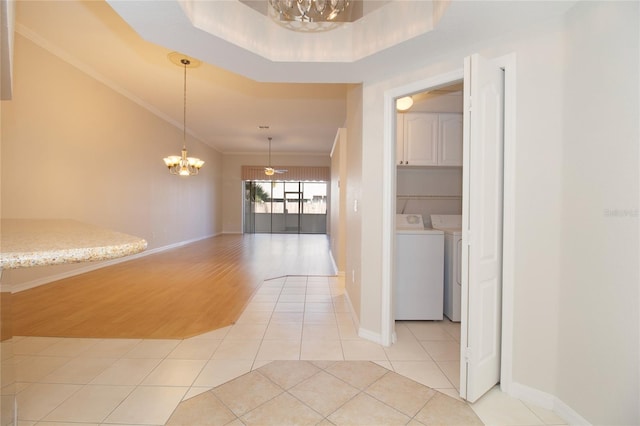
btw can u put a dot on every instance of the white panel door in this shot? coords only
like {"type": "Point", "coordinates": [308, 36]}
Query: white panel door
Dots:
{"type": "Point", "coordinates": [482, 227]}
{"type": "Point", "coordinates": [421, 139]}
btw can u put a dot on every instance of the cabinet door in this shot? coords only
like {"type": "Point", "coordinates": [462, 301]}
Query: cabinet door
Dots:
{"type": "Point", "coordinates": [450, 149]}
{"type": "Point", "coordinates": [421, 139]}
{"type": "Point", "coordinates": [400, 139]}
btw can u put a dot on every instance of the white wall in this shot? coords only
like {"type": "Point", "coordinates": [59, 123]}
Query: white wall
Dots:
{"type": "Point", "coordinates": [599, 325]}
{"type": "Point", "coordinates": [429, 190]}
{"type": "Point", "coordinates": [232, 192]}
{"type": "Point", "coordinates": [422, 181]}
{"type": "Point", "coordinates": [73, 148]}
{"type": "Point", "coordinates": [437, 102]}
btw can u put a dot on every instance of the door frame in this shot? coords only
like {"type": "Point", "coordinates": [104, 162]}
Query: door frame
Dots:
{"type": "Point", "coordinates": [387, 335]}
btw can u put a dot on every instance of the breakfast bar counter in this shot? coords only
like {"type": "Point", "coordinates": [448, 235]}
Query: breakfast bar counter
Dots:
{"type": "Point", "coordinates": [26, 243]}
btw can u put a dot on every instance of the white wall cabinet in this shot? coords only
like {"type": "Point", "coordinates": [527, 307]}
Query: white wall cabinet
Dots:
{"type": "Point", "coordinates": [429, 139]}
{"type": "Point", "coordinates": [450, 139]}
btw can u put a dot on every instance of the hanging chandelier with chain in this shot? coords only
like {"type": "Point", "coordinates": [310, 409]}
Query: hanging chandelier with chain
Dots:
{"type": "Point", "coordinates": [183, 165]}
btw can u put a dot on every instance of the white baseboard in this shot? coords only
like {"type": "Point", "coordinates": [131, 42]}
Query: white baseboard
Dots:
{"type": "Point", "coordinates": [15, 288]}
{"type": "Point", "coordinates": [362, 332]}
{"type": "Point", "coordinates": [546, 401]}
{"type": "Point", "coordinates": [333, 263]}
{"type": "Point", "coordinates": [370, 335]}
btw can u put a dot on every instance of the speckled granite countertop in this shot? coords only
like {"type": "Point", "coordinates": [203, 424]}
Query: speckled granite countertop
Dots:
{"type": "Point", "coordinates": [38, 242]}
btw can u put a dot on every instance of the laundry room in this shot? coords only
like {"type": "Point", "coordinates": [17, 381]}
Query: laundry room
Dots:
{"type": "Point", "coordinates": [429, 204]}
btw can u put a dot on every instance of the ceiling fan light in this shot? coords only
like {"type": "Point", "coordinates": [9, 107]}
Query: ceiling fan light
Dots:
{"type": "Point", "coordinates": [269, 171]}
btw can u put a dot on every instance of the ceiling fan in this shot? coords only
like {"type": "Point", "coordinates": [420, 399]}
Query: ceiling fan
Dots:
{"type": "Point", "coordinates": [270, 171]}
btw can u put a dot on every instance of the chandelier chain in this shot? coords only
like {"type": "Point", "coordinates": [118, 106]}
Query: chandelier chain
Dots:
{"type": "Point", "coordinates": [185, 62]}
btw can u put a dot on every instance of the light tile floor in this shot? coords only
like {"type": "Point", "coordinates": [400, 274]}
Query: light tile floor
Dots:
{"type": "Point", "coordinates": [135, 382]}
{"type": "Point", "coordinates": [323, 393]}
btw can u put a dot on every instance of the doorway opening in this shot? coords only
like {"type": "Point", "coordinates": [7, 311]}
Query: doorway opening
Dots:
{"type": "Point", "coordinates": [507, 64]}
{"type": "Point", "coordinates": [429, 183]}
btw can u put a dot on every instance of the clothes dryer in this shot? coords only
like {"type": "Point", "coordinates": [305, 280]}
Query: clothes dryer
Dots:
{"type": "Point", "coordinates": [451, 225]}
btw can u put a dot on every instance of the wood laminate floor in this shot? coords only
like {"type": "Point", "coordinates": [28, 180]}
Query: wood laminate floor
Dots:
{"type": "Point", "coordinates": [174, 294]}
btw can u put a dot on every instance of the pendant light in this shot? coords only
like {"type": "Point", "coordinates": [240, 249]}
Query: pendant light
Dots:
{"type": "Point", "coordinates": [183, 165]}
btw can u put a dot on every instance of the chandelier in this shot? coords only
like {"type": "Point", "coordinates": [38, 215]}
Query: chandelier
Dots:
{"type": "Point", "coordinates": [182, 164]}
{"type": "Point", "coordinates": [308, 10]}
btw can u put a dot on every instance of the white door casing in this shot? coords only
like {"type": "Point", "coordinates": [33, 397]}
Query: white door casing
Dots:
{"type": "Point", "coordinates": [482, 227]}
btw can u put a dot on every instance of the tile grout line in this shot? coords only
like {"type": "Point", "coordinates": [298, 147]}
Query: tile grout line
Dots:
{"type": "Point", "coordinates": [253, 363]}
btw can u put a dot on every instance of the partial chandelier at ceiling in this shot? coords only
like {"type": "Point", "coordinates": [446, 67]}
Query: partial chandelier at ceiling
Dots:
{"type": "Point", "coordinates": [308, 15]}
{"type": "Point", "coordinates": [183, 165]}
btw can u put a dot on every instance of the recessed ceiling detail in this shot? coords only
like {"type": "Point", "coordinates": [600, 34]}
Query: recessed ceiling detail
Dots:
{"type": "Point", "coordinates": [390, 38]}
{"type": "Point", "coordinates": [213, 30]}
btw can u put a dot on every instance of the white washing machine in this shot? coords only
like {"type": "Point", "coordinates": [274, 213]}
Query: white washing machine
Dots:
{"type": "Point", "coordinates": [419, 270]}
{"type": "Point", "coordinates": [452, 227]}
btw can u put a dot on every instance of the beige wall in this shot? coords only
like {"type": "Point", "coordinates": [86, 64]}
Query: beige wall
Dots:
{"type": "Point", "coordinates": [73, 148]}
{"type": "Point", "coordinates": [599, 289]}
{"type": "Point", "coordinates": [232, 193]}
{"type": "Point", "coordinates": [338, 213]}
{"type": "Point", "coordinates": [354, 184]}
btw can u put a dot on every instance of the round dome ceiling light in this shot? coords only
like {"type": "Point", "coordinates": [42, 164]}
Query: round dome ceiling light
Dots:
{"type": "Point", "coordinates": [403, 104]}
